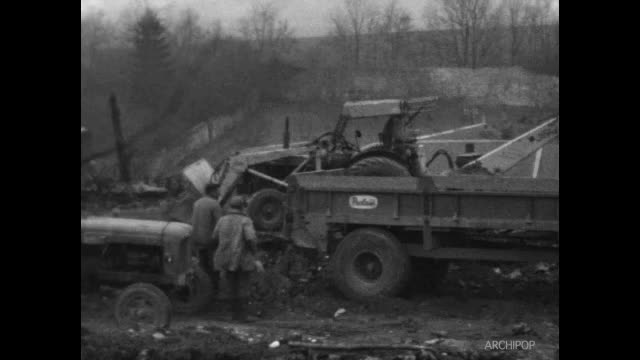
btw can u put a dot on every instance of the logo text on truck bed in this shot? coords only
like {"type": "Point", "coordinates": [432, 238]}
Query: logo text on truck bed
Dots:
{"type": "Point", "coordinates": [363, 202]}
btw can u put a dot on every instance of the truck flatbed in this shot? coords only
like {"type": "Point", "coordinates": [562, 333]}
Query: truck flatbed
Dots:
{"type": "Point", "coordinates": [374, 228]}
{"type": "Point", "coordinates": [443, 209]}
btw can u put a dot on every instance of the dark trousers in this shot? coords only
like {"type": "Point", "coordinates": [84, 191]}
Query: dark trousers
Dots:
{"type": "Point", "coordinates": [205, 256]}
{"type": "Point", "coordinates": [238, 285]}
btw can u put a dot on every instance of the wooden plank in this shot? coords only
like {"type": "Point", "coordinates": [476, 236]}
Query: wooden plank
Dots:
{"type": "Point", "coordinates": [536, 163]}
{"type": "Point", "coordinates": [462, 141]}
{"type": "Point", "coordinates": [451, 132]}
{"type": "Point", "coordinates": [267, 177]}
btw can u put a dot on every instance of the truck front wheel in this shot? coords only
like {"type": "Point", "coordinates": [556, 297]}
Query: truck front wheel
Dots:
{"type": "Point", "coordinates": [266, 209]}
{"type": "Point", "coordinates": [370, 263]}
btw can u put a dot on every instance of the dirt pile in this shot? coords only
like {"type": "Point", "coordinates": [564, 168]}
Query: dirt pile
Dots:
{"type": "Point", "coordinates": [293, 275]}
{"type": "Point", "coordinates": [538, 282]}
{"type": "Point", "coordinates": [290, 272]}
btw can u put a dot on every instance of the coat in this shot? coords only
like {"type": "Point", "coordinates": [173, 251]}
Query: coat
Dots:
{"type": "Point", "coordinates": [237, 243]}
{"type": "Point", "coordinates": [206, 213]}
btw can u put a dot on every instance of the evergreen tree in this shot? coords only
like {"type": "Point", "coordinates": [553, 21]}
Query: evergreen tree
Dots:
{"type": "Point", "coordinates": [152, 70]}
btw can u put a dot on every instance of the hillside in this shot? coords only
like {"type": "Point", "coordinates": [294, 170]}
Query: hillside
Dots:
{"type": "Point", "coordinates": [510, 100]}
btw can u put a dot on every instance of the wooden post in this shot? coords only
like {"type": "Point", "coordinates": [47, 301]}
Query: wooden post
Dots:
{"type": "Point", "coordinates": [287, 135]}
{"type": "Point", "coordinates": [123, 158]}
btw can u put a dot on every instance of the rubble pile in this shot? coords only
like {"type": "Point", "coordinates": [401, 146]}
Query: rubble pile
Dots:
{"type": "Point", "coordinates": [505, 281]}
{"type": "Point", "coordinates": [290, 273]}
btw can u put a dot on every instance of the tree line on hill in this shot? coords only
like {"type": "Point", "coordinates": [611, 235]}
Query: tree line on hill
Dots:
{"type": "Point", "coordinates": [183, 71]}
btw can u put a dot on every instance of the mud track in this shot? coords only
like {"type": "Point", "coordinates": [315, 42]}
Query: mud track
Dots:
{"type": "Point", "coordinates": [294, 303]}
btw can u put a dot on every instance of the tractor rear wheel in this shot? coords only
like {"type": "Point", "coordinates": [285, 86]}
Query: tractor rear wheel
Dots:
{"type": "Point", "coordinates": [370, 263]}
{"type": "Point", "coordinates": [266, 209]}
{"type": "Point", "coordinates": [377, 166]}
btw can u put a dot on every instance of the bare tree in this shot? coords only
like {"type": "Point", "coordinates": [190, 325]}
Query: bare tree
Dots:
{"type": "Point", "coordinates": [396, 25]}
{"type": "Point", "coordinates": [375, 52]}
{"type": "Point", "coordinates": [542, 41]}
{"type": "Point", "coordinates": [269, 35]}
{"type": "Point", "coordinates": [95, 33]}
{"type": "Point", "coordinates": [437, 42]}
{"type": "Point", "coordinates": [466, 22]}
{"type": "Point", "coordinates": [515, 11]}
{"type": "Point", "coordinates": [340, 35]}
{"type": "Point", "coordinates": [186, 32]}
{"type": "Point", "coordinates": [351, 21]}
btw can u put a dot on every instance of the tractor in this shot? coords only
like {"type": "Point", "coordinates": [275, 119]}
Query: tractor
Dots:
{"type": "Point", "coordinates": [260, 173]}
{"type": "Point", "coordinates": [151, 261]}
{"type": "Point", "coordinates": [396, 152]}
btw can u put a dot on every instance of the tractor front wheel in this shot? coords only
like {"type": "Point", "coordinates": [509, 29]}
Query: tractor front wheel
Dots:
{"type": "Point", "coordinates": [266, 209]}
{"type": "Point", "coordinates": [143, 307]}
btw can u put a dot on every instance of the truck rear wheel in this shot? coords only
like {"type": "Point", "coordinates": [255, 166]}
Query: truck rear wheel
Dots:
{"type": "Point", "coordinates": [195, 295]}
{"type": "Point", "coordinates": [377, 166]}
{"type": "Point", "coordinates": [266, 209]}
{"type": "Point", "coordinates": [370, 263]}
{"type": "Point", "coordinates": [143, 306]}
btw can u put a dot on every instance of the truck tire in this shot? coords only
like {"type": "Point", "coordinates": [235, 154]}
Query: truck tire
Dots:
{"type": "Point", "coordinates": [194, 296]}
{"type": "Point", "coordinates": [144, 307]}
{"type": "Point", "coordinates": [266, 209]}
{"type": "Point", "coordinates": [370, 263]}
{"type": "Point", "coordinates": [377, 166]}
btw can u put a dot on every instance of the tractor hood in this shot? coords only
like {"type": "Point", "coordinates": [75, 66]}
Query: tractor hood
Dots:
{"type": "Point", "coordinates": [103, 230]}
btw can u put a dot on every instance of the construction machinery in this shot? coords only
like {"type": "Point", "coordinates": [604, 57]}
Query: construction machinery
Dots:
{"type": "Point", "coordinates": [260, 173]}
{"type": "Point", "coordinates": [308, 230]}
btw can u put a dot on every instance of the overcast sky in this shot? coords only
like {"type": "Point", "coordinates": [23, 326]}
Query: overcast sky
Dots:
{"type": "Point", "coordinates": [306, 17]}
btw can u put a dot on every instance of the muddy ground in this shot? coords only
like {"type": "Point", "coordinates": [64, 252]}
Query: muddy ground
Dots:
{"type": "Point", "coordinates": [294, 302]}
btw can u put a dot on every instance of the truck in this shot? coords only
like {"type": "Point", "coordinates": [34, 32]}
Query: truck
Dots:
{"type": "Point", "coordinates": [374, 227]}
